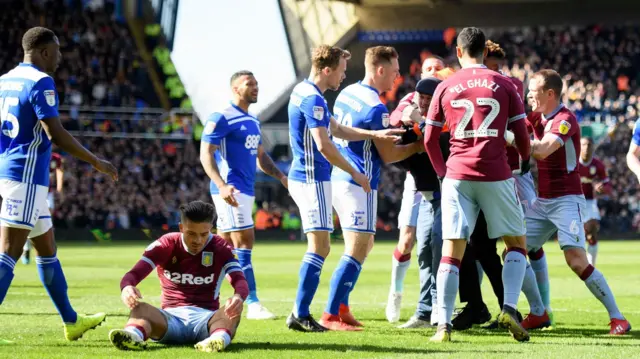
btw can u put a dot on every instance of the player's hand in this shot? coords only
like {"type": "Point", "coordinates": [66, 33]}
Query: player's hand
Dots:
{"type": "Point", "coordinates": [233, 307]}
{"type": "Point", "coordinates": [599, 187]}
{"type": "Point", "coordinates": [411, 115]}
{"type": "Point", "coordinates": [107, 168]}
{"type": "Point", "coordinates": [363, 181]}
{"type": "Point", "coordinates": [525, 166]}
{"type": "Point", "coordinates": [227, 194]}
{"type": "Point", "coordinates": [285, 182]}
{"type": "Point", "coordinates": [509, 137]}
{"type": "Point", "coordinates": [130, 296]}
{"type": "Point", "coordinates": [392, 134]}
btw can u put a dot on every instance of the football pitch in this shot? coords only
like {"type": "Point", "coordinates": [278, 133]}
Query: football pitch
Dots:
{"type": "Point", "coordinates": [93, 272]}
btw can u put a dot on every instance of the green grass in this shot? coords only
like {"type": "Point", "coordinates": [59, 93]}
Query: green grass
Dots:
{"type": "Point", "coordinates": [94, 272]}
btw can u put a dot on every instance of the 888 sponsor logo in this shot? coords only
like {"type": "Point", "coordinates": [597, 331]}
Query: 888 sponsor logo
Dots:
{"type": "Point", "coordinates": [251, 143]}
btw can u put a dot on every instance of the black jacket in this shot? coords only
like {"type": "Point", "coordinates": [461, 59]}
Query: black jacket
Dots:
{"type": "Point", "coordinates": [419, 164]}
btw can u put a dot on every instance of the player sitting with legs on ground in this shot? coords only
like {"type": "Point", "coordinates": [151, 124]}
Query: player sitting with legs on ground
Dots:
{"type": "Point", "coordinates": [359, 106]}
{"type": "Point", "coordinates": [309, 176]}
{"type": "Point", "coordinates": [561, 204]}
{"type": "Point", "coordinates": [595, 181]}
{"type": "Point", "coordinates": [230, 150]}
{"type": "Point", "coordinates": [479, 105]}
{"type": "Point", "coordinates": [191, 265]}
{"type": "Point", "coordinates": [407, 114]}
{"type": "Point", "coordinates": [30, 123]}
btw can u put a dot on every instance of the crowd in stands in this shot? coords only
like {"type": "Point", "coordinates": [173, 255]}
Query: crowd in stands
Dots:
{"type": "Point", "coordinates": [102, 67]}
{"type": "Point", "coordinates": [601, 69]}
{"type": "Point", "coordinates": [100, 64]}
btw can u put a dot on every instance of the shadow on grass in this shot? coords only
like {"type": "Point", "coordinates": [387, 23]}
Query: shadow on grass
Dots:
{"type": "Point", "coordinates": [562, 333]}
{"type": "Point", "coordinates": [42, 314]}
{"type": "Point", "coordinates": [437, 348]}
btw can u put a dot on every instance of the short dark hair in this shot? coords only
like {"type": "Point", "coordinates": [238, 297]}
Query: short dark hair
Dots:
{"type": "Point", "coordinates": [37, 37]}
{"type": "Point", "coordinates": [197, 212]}
{"type": "Point", "coordinates": [472, 41]}
{"type": "Point", "coordinates": [495, 51]}
{"type": "Point", "coordinates": [239, 74]}
{"type": "Point", "coordinates": [551, 81]}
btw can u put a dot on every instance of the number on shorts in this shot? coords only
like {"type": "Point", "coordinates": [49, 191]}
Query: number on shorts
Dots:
{"type": "Point", "coordinates": [469, 108]}
{"type": "Point", "coordinates": [345, 121]}
{"type": "Point", "coordinates": [11, 130]}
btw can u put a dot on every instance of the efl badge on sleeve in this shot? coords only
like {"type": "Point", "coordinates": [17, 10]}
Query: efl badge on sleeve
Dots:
{"type": "Point", "coordinates": [564, 127]}
{"type": "Point", "coordinates": [207, 259]}
{"type": "Point", "coordinates": [385, 120]}
{"type": "Point", "coordinates": [50, 96]}
{"type": "Point", "coordinates": [318, 112]}
{"type": "Point", "coordinates": [209, 127]}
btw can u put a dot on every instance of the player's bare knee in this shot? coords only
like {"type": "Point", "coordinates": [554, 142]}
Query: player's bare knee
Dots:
{"type": "Point", "coordinates": [142, 311]}
{"type": "Point", "coordinates": [12, 241]}
{"type": "Point", "coordinates": [318, 243]}
{"type": "Point", "coordinates": [45, 244]}
{"type": "Point", "coordinates": [576, 259]}
{"type": "Point", "coordinates": [515, 241]}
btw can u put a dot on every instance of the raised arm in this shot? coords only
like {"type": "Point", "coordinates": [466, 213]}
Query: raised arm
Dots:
{"type": "Point", "coordinates": [44, 100]}
{"type": "Point", "coordinates": [328, 149]}
{"type": "Point", "coordinates": [360, 134]}
{"type": "Point", "coordinates": [561, 131]}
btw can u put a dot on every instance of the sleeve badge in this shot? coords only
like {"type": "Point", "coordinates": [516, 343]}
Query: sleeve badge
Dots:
{"type": "Point", "coordinates": [564, 127]}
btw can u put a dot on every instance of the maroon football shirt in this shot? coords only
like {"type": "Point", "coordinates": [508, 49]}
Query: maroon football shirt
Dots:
{"type": "Point", "coordinates": [558, 174]}
{"type": "Point", "coordinates": [590, 173]}
{"type": "Point", "coordinates": [189, 279]}
{"type": "Point", "coordinates": [478, 104]}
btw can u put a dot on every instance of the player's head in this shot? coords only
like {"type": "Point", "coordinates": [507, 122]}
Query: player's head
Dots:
{"type": "Point", "coordinates": [545, 91]}
{"type": "Point", "coordinates": [196, 221]}
{"type": "Point", "coordinates": [431, 66]}
{"type": "Point", "coordinates": [471, 46]}
{"type": "Point", "coordinates": [495, 56]}
{"type": "Point", "coordinates": [330, 62]}
{"type": "Point", "coordinates": [586, 148]}
{"type": "Point", "coordinates": [425, 89]}
{"type": "Point", "coordinates": [381, 64]}
{"type": "Point", "coordinates": [244, 86]}
{"type": "Point", "coordinates": [42, 48]}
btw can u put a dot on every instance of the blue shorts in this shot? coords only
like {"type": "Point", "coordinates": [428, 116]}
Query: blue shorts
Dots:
{"type": "Point", "coordinates": [563, 214]}
{"type": "Point", "coordinates": [186, 325]}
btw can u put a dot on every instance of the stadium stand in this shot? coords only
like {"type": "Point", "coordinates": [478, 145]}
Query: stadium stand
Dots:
{"type": "Point", "coordinates": [101, 67]}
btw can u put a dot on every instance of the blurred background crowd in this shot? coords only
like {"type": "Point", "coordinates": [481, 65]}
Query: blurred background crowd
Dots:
{"type": "Point", "coordinates": [102, 67]}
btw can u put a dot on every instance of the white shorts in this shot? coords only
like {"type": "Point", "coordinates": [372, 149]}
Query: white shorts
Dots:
{"type": "Point", "coordinates": [314, 203]}
{"type": "Point", "coordinates": [232, 219]}
{"type": "Point", "coordinates": [563, 214]}
{"type": "Point", "coordinates": [462, 201]}
{"type": "Point", "coordinates": [25, 206]}
{"type": "Point", "coordinates": [526, 190]}
{"type": "Point", "coordinates": [186, 325]}
{"type": "Point", "coordinates": [410, 204]}
{"type": "Point", "coordinates": [357, 210]}
{"type": "Point", "coordinates": [51, 201]}
{"type": "Point", "coordinates": [591, 211]}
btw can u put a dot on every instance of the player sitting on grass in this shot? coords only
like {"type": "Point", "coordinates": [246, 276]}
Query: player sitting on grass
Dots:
{"type": "Point", "coordinates": [191, 265]}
